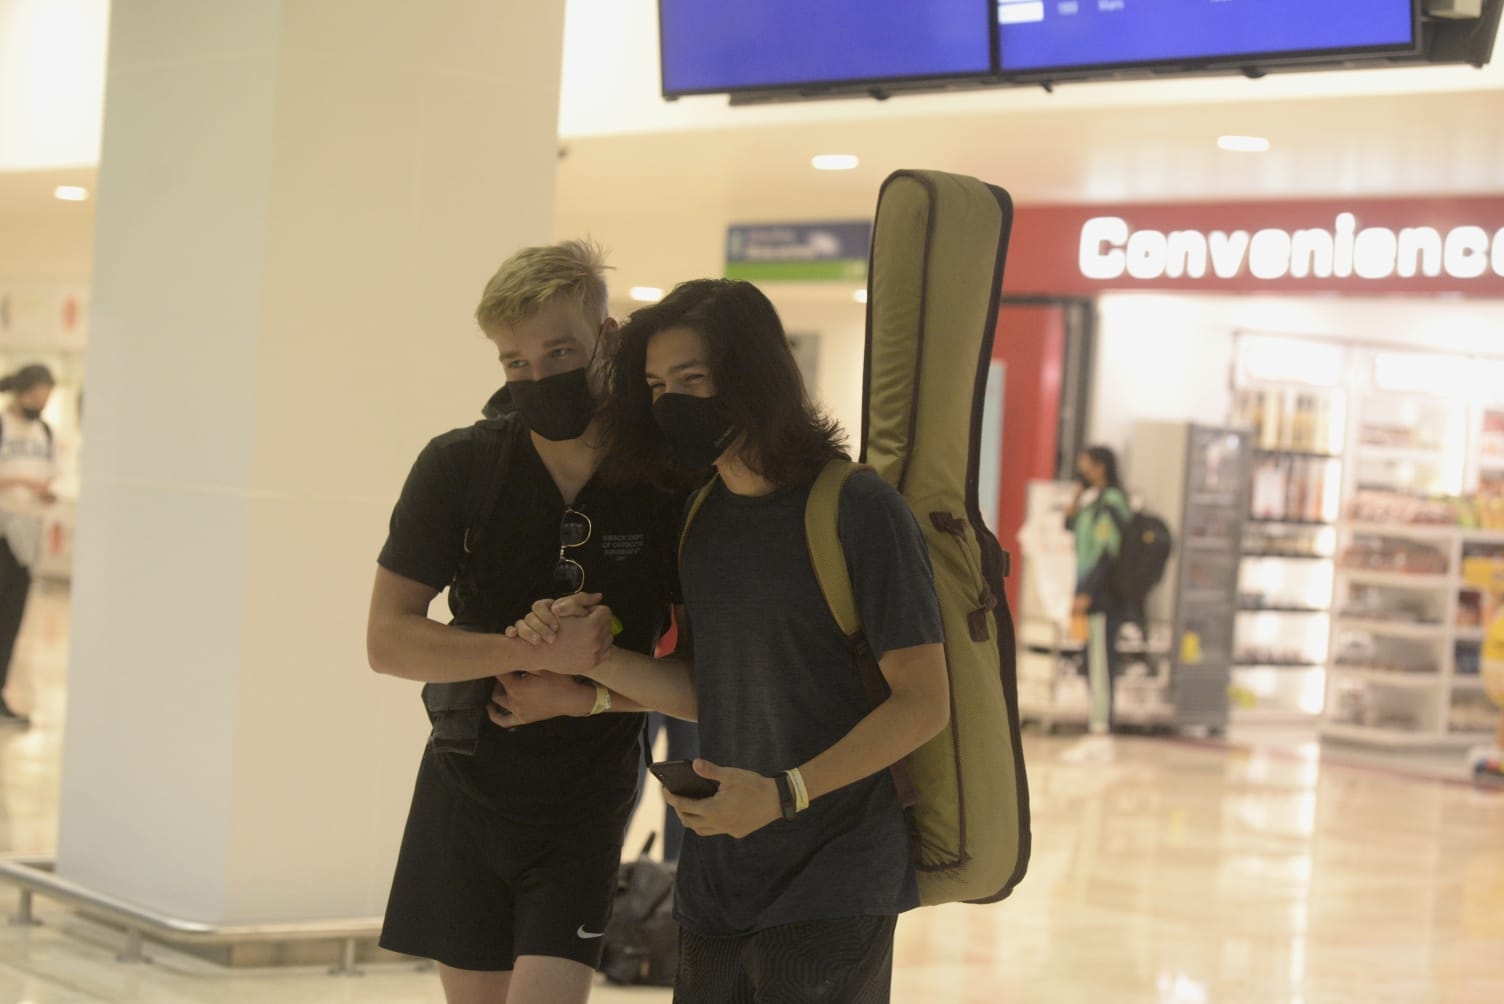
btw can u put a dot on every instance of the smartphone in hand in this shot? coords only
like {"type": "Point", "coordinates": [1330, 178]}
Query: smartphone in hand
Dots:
{"type": "Point", "coordinates": [679, 777]}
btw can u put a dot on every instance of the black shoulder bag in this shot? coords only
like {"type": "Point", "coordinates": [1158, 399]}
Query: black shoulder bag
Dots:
{"type": "Point", "coordinates": [458, 710]}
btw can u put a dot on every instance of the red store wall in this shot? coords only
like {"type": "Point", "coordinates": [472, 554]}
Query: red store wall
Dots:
{"type": "Point", "coordinates": [1045, 261]}
{"type": "Point", "coordinates": [1031, 342]}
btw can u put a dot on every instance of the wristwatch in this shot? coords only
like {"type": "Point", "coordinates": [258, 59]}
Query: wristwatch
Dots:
{"type": "Point", "coordinates": [786, 800]}
{"type": "Point", "coordinates": [602, 700]}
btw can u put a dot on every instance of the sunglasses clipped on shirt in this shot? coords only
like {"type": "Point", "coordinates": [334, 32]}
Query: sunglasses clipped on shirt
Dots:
{"type": "Point", "coordinates": [574, 531]}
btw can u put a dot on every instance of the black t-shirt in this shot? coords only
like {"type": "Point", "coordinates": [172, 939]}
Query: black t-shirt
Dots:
{"type": "Point", "coordinates": [567, 769]}
{"type": "Point", "coordinates": [777, 685]}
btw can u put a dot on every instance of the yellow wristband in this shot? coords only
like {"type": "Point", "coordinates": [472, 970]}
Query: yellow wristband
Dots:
{"type": "Point", "coordinates": [602, 699]}
{"type": "Point", "coordinates": [801, 793]}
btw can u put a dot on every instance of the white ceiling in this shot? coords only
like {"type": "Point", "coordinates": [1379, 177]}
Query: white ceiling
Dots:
{"type": "Point", "coordinates": [29, 193]}
{"type": "Point", "coordinates": [662, 201]}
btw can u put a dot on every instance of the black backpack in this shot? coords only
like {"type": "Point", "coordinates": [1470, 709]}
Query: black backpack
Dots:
{"type": "Point", "coordinates": [457, 710]}
{"type": "Point", "coordinates": [1142, 557]}
{"type": "Point", "coordinates": [642, 941]}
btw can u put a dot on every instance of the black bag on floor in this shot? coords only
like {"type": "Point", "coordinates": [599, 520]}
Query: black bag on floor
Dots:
{"type": "Point", "coordinates": [642, 940]}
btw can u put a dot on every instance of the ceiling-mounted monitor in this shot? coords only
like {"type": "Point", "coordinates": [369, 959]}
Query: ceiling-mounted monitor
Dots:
{"type": "Point", "coordinates": [786, 50]}
{"type": "Point", "coordinates": [1064, 37]}
{"type": "Point", "coordinates": [729, 46]}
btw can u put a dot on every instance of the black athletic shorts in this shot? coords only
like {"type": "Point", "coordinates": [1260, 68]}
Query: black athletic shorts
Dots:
{"type": "Point", "coordinates": [476, 891]}
{"type": "Point", "coordinates": [848, 961]}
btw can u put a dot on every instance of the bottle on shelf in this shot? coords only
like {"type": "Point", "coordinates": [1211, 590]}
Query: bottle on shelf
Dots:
{"type": "Point", "coordinates": [1324, 426]}
{"type": "Point", "coordinates": [1295, 484]}
{"type": "Point", "coordinates": [1269, 489]}
{"type": "Point", "coordinates": [1316, 496]}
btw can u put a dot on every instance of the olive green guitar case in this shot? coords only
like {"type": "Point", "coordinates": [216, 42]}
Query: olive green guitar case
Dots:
{"type": "Point", "coordinates": [934, 286]}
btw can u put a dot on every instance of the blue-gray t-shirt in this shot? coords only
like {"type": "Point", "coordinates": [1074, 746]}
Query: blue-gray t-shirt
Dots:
{"type": "Point", "coordinates": [777, 686]}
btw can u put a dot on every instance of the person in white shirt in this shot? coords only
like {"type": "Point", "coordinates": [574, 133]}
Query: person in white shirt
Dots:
{"type": "Point", "coordinates": [27, 470]}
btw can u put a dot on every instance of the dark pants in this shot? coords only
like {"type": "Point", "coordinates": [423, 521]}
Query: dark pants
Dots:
{"type": "Point", "coordinates": [1115, 621]}
{"type": "Point", "coordinates": [15, 587]}
{"type": "Point", "coordinates": [829, 961]}
{"type": "Point", "coordinates": [1115, 618]}
{"type": "Point", "coordinates": [683, 744]}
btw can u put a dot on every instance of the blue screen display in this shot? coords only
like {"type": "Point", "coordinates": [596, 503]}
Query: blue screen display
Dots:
{"type": "Point", "coordinates": [1061, 34]}
{"type": "Point", "coordinates": [728, 45]}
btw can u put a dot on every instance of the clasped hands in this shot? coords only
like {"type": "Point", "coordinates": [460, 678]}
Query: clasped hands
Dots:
{"type": "Point", "coordinates": [573, 637]}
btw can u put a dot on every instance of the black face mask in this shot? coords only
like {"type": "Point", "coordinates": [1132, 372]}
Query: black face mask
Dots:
{"type": "Point", "coordinates": [32, 413]}
{"type": "Point", "coordinates": [557, 408]}
{"type": "Point", "coordinates": [696, 428]}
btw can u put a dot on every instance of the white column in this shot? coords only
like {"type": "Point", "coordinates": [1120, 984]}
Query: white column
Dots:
{"type": "Point", "coordinates": [299, 203]}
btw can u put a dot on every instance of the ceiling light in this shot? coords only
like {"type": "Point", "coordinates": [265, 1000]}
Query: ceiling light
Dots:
{"type": "Point", "coordinates": [1243, 144]}
{"type": "Point", "coordinates": [835, 162]}
{"type": "Point", "coordinates": [860, 296]}
{"type": "Point", "coordinates": [645, 294]}
{"type": "Point", "coordinates": [70, 193]}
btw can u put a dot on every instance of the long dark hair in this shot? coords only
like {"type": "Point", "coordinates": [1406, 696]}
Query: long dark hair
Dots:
{"type": "Point", "coordinates": [785, 437]}
{"type": "Point", "coordinates": [1109, 460]}
{"type": "Point", "coordinates": [25, 378]}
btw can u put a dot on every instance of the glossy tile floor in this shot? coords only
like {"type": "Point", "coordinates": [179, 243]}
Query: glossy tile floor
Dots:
{"type": "Point", "coordinates": [1163, 871]}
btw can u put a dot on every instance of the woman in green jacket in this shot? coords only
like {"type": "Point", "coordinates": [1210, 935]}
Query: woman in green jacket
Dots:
{"type": "Point", "coordinates": [1098, 525]}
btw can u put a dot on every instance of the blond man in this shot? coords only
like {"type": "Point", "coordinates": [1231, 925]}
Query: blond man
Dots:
{"type": "Point", "coordinates": [508, 864]}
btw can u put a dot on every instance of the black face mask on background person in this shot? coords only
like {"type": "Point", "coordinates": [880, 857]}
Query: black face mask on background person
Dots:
{"type": "Point", "coordinates": [557, 408]}
{"type": "Point", "coordinates": [696, 428]}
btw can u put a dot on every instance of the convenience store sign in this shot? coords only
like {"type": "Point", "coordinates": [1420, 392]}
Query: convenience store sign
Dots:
{"type": "Point", "coordinates": [1111, 248]}
{"type": "Point", "coordinates": [1359, 246]}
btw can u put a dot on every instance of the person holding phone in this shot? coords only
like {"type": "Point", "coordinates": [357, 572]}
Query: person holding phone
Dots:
{"type": "Point", "coordinates": [1097, 517]}
{"type": "Point", "coordinates": [794, 870]}
{"type": "Point", "coordinates": [508, 866]}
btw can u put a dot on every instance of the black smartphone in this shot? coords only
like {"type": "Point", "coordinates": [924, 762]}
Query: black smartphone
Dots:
{"type": "Point", "coordinates": [679, 777]}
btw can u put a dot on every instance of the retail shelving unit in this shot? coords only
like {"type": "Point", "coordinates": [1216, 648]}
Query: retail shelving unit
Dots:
{"type": "Point", "coordinates": [1403, 668]}
{"type": "Point", "coordinates": [1344, 566]}
{"type": "Point", "coordinates": [1285, 566]}
{"type": "Point", "coordinates": [1489, 470]}
{"type": "Point", "coordinates": [1408, 443]}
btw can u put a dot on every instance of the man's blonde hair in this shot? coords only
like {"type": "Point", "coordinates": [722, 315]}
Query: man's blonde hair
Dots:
{"type": "Point", "coordinates": [535, 277]}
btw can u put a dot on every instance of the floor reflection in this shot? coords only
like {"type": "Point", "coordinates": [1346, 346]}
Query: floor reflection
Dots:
{"type": "Point", "coordinates": [1163, 871]}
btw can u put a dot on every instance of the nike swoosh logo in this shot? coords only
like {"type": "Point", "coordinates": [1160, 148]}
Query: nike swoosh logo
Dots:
{"type": "Point", "coordinates": [586, 935]}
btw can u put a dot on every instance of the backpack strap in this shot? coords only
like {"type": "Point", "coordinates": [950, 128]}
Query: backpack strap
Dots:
{"type": "Point", "coordinates": [491, 457]}
{"type": "Point", "coordinates": [696, 503]}
{"type": "Point", "coordinates": [822, 536]}
{"type": "Point", "coordinates": [822, 518]}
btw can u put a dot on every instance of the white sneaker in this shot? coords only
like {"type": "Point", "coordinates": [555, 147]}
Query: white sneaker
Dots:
{"type": "Point", "coordinates": [1092, 749]}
